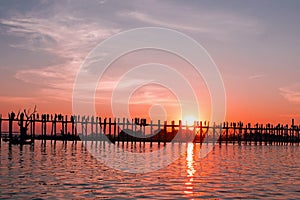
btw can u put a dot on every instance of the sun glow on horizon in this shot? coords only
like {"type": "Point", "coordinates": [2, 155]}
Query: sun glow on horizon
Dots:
{"type": "Point", "coordinates": [189, 120]}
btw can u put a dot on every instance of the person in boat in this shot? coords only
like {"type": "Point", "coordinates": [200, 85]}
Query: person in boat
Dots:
{"type": "Point", "coordinates": [23, 135]}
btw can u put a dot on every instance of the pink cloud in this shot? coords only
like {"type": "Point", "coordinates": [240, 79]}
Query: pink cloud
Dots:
{"type": "Point", "coordinates": [291, 93]}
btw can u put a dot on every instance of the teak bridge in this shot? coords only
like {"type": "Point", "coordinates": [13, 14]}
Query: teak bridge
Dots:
{"type": "Point", "coordinates": [24, 128]}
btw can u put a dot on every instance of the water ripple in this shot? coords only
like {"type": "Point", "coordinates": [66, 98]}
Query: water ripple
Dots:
{"type": "Point", "coordinates": [59, 171]}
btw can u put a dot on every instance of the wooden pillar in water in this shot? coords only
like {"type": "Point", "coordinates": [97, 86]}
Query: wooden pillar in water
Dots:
{"type": "Point", "coordinates": [42, 125]}
{"type": "Point", "coordinates": [142, 124]}
{"type": "Point", "coordinates": [76, 125]}
{"type": "Point", "coordinates": [173, 129]}
{"type": "Point", "coordinates": [33, 126]}
{"type": "Point", "coordinates": [250, 133]}
{"type": "Point", "coordinates": [118, 130]}
{"type": "Point", "coordinates": [62, 126]}
{"type": "Point", "coordinates": [255, 134]}
{"type": "Point", "coordinates": [73, 126]}
{"type": "Point", "coordinates": [234, 130]}
{"type": "Point", "coordinates": [127, 128]}
{"type": "Point", "coordinates": [66, 127]}
{"type": "Point", "coordinates": [0, 128]}
{"type": "Point", "coordinates": [151, 132]}
{"type": "Point", "coordinates": [173, 126]}
{"type": "Point", "coordinates": [144, 131]}
{"type": "Point", "coordinates": [86, 125]}
{"type": "Point", "coordinates": [206, 134]}
{"type": "Point", "coordinates": [136, 121]}
{"type": "Point", "coordinates": [104, 126]}
{"type": "Point", "coordinates": [92, 126]}
{"type": "Point", "coordinates": [140, 131]}
{"type": "Point", "coordinates": [298, 134]}
{"type": "Point", "coordinates": [267, 137]}
{"type": "Point", "coordinates": [179, 131]}
{"type": "Point", "coordinates": [54, 126]}
{"type": "Point", "coordinates": [248, 130]}
{"type": "Point", "coordinates": [82, 125]}
{"type": "Point", "coordinates": [133, 128]}
{"type": "Point", "coordinates": [283, 134]}
{"type": "Point", "coordinates": [265, 134]}
{"type": "Point", "coordinates": [201, 132]}
{"type": "Point", "coordinates": [280, 134]}
{"type": "Point", "coordinates": [21, 125]}
{"type": "Point", "coordinates": [221, 134]}
{"type": "Point", "coordinates": [272, 134]}
{"type": "Point", "coordinates": [97, 127]}
{"type": "Point", "coordinates": [240, 125]}
{"type": "Point", "coordinates": [52, 129]}
{"type": "Point", "coordinates": [276, 134]}
{"type": "Point", "coordinates": [159, 133]}
{"type": "Point", "coordinates": [196, 128]}
{"type": "Point", "coordinates": [226, 129]}
{"type": "Point", "coordinates": [100, 127]}
{"type": "Point", "coordinates": [286, 134]}
{"type": "Point", "coordinates": [292, 131]}
{"type": "Point", "coordinates": [123, 132]}
{"type": "Point", "coordinates": [260, 134]}
{"type": "Point", "coordinates": [115, 129]}
{"type": "Point", "coordinates": [45, 126]}
{"type": "Point", "coordinates": [123, 123]}
{"type": "Point", "coordinates": [40, 120]}
{"type": "Point", "coordinates": [109, 129]}
{"type": "Point", "coordinates": [11, 117]}
{"type": "Point", "coordinates": [214, 133]}
{"type": "Point", "coordinates": [165, 132]}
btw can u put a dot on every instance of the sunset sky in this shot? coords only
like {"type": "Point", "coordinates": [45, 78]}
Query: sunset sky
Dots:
{"type": "Point", "coordinates": [255, 45]}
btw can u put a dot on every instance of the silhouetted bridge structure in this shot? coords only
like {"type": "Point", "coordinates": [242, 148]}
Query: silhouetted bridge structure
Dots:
{"type": "Point", "coordinates": [25, 128]}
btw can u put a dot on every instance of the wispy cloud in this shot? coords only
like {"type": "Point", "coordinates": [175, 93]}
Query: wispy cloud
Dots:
{"type": "Point", "coordinates": [289, 116]}
{"type": "Point", "coordinates": [291, 93]}
{"type": "Point", "coordinates": [155, 21]}
{"type": "Point", "coordinates": [14, 99]}
{"type": "Point", "coordinates": [153, 96]}
{"type": "Point", "coordinates": [63, 35]}
{"type": "Point", "coordinates": [256, 76]}
{"type": "Point", "coordinates": [221, 26]}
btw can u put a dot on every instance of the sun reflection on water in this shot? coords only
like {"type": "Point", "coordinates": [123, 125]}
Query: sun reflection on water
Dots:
{"type": "Point", "coordinates": [190, 169]}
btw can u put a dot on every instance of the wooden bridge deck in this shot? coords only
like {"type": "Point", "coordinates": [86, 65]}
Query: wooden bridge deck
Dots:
{"type": "Point", "coordinates": [92, 128]}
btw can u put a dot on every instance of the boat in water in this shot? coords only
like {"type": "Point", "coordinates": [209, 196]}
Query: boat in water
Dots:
{"type": "Point", "coordinates": [18, 140]}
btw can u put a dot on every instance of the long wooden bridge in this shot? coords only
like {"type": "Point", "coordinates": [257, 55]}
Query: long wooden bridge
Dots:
{"type": "Point", "coordinates": [25, 128]}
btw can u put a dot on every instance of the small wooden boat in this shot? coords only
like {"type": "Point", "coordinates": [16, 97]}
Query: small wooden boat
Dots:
{"type": "Point", "coordinates": [21, 141]}
{"type": "Point", "coordinates": [17, 140]}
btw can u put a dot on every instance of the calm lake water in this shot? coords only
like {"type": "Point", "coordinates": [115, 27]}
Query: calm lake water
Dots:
{"type": "Point", "coordinates": [69, 171]}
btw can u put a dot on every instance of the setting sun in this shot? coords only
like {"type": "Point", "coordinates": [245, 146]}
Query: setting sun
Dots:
{"type": "Point", "coordinates": [189, 120]}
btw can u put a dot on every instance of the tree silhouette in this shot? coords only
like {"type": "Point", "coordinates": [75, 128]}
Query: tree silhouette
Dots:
{"type": "Point", "coordinates": [24, 118]}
